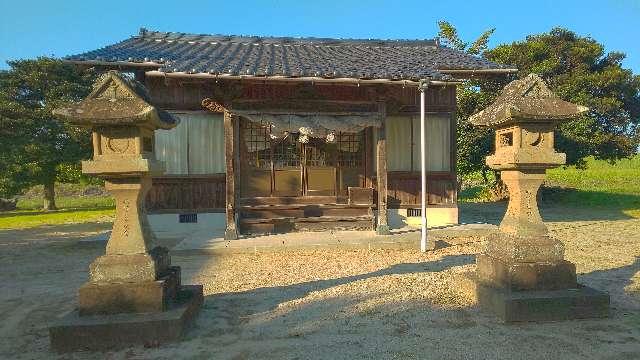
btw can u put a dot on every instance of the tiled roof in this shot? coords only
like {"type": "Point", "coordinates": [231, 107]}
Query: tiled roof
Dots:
{"type": "Point", "coordinates": [289, 57]}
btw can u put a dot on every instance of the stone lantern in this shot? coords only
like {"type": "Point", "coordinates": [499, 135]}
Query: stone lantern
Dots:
{"type": "Point", "coordinates": [133, 294]}
{"type": "Point", "coordinates": [522, 274]}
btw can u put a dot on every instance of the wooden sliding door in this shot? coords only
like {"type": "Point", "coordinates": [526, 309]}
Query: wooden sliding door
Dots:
{"type": "Point", "coordinates": [284, 167]}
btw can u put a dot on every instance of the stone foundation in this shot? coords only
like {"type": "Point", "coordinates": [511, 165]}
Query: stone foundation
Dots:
{"type": "Point", "coordinates": [437, 216]}
{"type": "Point", "coordinates": [526, 276]}
{"type": "Point", "coordinates": [73, 332]}
{"type": "Point", "coordinates": [129, 297]}
{"type": "Point", "coordinates": [581, 302]}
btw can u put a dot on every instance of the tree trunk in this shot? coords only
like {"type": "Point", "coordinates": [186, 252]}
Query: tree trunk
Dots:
{"type": "Point", "coordinates": [49, 196]}
{"type": "Point", "coordinates": [499, 190]}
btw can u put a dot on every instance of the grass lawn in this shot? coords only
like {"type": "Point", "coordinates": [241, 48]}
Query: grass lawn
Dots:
{"type": "Point", "coordinates": [71, 210]}
{"type": "Point", "coordinates": [600, 185]}
{"type": "Point", "coordinates": [619, 178]}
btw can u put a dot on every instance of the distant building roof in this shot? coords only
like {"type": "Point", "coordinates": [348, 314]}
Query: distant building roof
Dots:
{"type": "Point", "coordinates": [288, 57]}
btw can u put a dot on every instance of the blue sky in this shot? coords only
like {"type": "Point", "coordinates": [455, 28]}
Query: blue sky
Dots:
{"type": "Point", "coordinates": [31, 28]}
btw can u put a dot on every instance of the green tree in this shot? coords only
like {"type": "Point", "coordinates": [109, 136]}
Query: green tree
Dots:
{"type": "Point", "coordinates": [449, 35]}
{"type": "Point", "coordinates": [578, 70]}
{"type": "Point", "coordinates": [472, 96]}
{"type": "Point", "coordinates": [33, 144]}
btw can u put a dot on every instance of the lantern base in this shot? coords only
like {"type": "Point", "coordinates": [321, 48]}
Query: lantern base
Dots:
{"type": "Point", "coordinates": [73, 332]}
{"type": "Point", "coordinates": [581, 302]}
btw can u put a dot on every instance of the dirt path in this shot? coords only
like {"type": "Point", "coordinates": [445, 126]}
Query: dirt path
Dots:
{"type": "Point", "coordinates": [336, 304]}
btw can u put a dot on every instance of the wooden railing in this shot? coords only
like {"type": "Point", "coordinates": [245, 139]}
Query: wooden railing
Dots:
{"type": "Point", "coordinates": [187, 193]}
{"type": "Point", "coordinates": [403, 189]}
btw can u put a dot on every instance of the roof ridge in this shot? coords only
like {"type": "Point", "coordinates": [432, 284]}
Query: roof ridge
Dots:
{"type": "Point", "coordinates": [145, 33]}
{"type": "Point", "coordinates": [289, 57]}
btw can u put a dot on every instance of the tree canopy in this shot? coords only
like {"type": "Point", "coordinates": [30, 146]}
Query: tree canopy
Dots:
{"type": "Point", "coordinates": [473, 143]}
{"type": "Point", "coordinates": [577, 69]}
{"type": "Point", "coordinates": [33, 144]}
{"type": "Point", "coordinates": [449, 34]}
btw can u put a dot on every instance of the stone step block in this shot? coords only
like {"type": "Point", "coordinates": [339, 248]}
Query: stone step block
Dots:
{"type": "Point", "coordinates": [525, 276]}
{"type": "Point", "coordinates": [72, 332]}
{"type": "Point", "coordinates": [129, 297]}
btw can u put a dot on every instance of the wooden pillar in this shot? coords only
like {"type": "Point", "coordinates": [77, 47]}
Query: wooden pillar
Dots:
{"type": "Point", "coordinates": [230, 150]}
{"type": "Point", "coordinates": [382, 227]}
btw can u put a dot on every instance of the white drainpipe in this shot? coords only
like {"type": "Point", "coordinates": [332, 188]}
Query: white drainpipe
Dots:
{"type": "Point", "coordinates": [423, 170]}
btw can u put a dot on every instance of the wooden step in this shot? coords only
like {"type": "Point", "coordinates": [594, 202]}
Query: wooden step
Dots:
{"type": "Point", "coordinates": [294, 200]}
{"type": "Point", "coordinates": [302, 211]}
{"type": "Point", "coordinates": [305, 219]}
{"type": "Point", "coordinates": [313, 223]}
{"type": "Point", "coordinates": [298, 206]}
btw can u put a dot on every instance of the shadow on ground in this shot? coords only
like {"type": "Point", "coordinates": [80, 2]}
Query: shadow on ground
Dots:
{"type": "Point", "coordinates": [283, 320]}
{"type": "Point", "coordinates": [82, 231]}
{"type": "Point", "coordinates": [344, 317]}
{"type": "Point", "coordinates": [617, 281]}
{"type": "Point", "coordinates": [281, 294]}
{"type": "Point", "coordinates": [60, 211]}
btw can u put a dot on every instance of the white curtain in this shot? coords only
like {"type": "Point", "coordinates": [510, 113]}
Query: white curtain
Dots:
{"type": "Point", "coordinates": [398, 132]}
{"type": "Point", "coordinates": [195, 146]}
{"type": "Point", "coordinates": [401, 144]}
{"type": "Point", "coordinates": [171, 148]}
{"type": "Point", "coordinates": [206, 143]}
{"type": "Point", "coordinates": [438, 131]}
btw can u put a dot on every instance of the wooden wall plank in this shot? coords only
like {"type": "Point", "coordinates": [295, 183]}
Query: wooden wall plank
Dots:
{"type": "Point", "coordinates": [180, 193]}
{"type": "Point", "coordinates": [187, 94]}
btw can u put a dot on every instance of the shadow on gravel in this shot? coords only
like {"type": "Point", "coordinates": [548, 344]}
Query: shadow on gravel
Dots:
{"type": "Point", "coordinates": [618, 281]}
{"type": "Point", "coordinates": [83, 231]}
{"type": "Point", "coordinates": [60, 211]}
{"type": "Point", "coordinates": [268, 298]}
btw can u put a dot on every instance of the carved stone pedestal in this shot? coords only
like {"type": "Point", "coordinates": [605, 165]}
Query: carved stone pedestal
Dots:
{"type": "Point", "coordinates": [522, 217]}
{"type": "Point", "coordinates": [519, 275]}
{"type": "Point", "coordinates": [522, 274]}
{"type": "Point", "coordinates": [129, 283]}
{"type": "Point", "coordinates": [72, 331]}
{"type": "Point", "coordinates": [134, 295]}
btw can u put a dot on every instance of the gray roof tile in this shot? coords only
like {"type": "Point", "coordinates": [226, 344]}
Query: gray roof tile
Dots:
{"type": "Point", "coordinates": [289, 57]}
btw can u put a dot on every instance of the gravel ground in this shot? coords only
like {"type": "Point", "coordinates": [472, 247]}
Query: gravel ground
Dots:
{"type": "Point", "coordinates": [337, 304]}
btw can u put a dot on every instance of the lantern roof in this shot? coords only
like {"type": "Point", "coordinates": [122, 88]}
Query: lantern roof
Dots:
{"type": "Point", "coordinates": [117, 100]}
{"type": "Point", "coordinates": [527, 100]}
